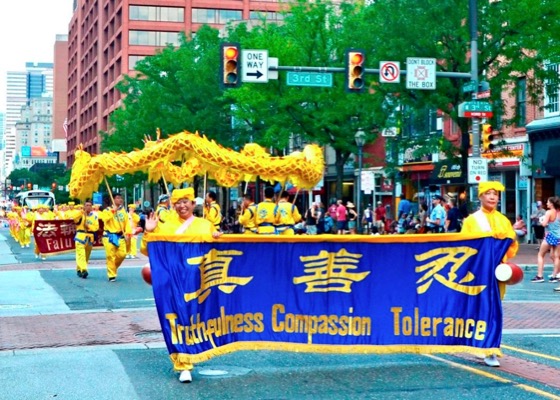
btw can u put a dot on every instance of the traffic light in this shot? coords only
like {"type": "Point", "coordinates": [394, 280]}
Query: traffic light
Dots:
{"type": "Point", "coordinates": [487, 136]}
{"type": "Point", "coordinates": [355, 70]}
{"type": "Point", "coordinates": [230, 70]}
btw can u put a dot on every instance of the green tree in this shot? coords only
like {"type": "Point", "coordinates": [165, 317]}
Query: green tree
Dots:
{"type": "Point", "coordinates": [515, 39]}
{"type": "Point", "coordinates": [317, 35]}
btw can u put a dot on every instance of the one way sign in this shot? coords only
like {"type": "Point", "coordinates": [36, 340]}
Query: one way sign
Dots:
{"type": "Point", "coordinates": [254, 67]}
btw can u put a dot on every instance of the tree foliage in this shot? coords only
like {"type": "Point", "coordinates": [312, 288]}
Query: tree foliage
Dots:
{"type": "Point", "coordinates": [178, 88]}
{"type": "Point", "coordinates": [313, 34]}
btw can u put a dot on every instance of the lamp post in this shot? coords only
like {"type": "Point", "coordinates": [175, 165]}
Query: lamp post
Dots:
{"type": "Point", "coordinates": [7, 185]}
{"type": "Point", "coordinates": [360, 138]}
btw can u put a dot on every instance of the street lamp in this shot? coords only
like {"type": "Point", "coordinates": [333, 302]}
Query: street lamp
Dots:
{"type": "Point", "coordinates": [7, 185]}
{"type": "Point", "coordinates": [360, 138]}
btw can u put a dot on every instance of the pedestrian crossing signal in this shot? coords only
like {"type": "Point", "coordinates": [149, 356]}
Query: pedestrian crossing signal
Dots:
{"type": "Point", "coordinates": [355, 71]}
{"type": "Point", "coordinates": [230, 65]}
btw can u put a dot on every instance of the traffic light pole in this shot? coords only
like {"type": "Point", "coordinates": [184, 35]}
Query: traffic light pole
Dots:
{"type": "Point", "coordinates": [441, 74]}
{"type": "Point", "coordinates": [474, 75]}
{"type": "Point", "coordinates": [473, 194]}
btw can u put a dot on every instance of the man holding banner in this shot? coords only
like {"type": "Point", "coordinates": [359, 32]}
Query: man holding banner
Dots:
{"type": "Point", "coordinates": [489, 219]}
{"type": "Point", "coordinates": [180, 221]}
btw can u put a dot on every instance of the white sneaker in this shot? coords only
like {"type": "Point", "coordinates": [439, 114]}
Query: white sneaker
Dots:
{"type": "Point", "coordinates": [492, 361]}
{"type": "Point", "coordinates": [36, 255]}
{"type": "Point", "coordinates": [185, 377]}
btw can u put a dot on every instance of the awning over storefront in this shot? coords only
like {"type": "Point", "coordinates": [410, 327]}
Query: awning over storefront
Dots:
{"type": "Point", "coordinates": [447, 172]}
{"type": "Point", "coordinates": [552, 165]}
{"type": "Point", "coordinates": [544, 124]}
{"type": "Point", "coordinates": [418, 172]}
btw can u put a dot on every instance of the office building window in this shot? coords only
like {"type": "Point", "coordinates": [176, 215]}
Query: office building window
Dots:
{"type": "Point", "coordinates": [164, 14]}
{"type": "Point", "coordinates": [225, 16]}
{"type": "Point", "coordinates": [552, 94]}
{"type": "Point", "coordinates": [153, 38]}
{"type": "Point", "coordinates": [133, 60]}
{"type": "Point", "coordinates": [521, 102]}
{"type": "Point", "coordinates": [212, 16]}
{"type": "Point", "coordinates": [270, 15]}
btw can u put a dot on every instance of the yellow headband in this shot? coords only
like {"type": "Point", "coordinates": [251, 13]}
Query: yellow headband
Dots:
{"type": "Point", "coordinates": [483, 187]}
{"type": "Point", "coordinates": [179, 194]}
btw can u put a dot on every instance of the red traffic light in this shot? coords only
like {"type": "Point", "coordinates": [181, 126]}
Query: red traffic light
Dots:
{"type": "Point", "coordinates": [357, 58]}
{"type": "Point", "coordinates": [355, 71]}
{"type": "Point", "coordinates": [229, 54]}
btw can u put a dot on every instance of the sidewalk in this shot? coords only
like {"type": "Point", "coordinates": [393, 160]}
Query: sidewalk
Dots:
{"type": "Point", "coordinates": [527, 256]}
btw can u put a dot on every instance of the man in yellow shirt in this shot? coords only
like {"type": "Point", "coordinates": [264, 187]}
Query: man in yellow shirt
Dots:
{"type": "Point", "coordinates": [286, 215]}
{"type": "Point", "coordinates": [212, 210]}
{"type": "Point", "coordinates": [248, 213]}
{"type": "Point", "coordinates": [265, 213]}
{"type": "Point", "coordinates": [180, 221]}
{"type": "Point", "coordinates": [489, 219]}
{"type": "Point", "coordinates": [132, 243]}
{"type": "Point", "coordinates": [116, 227]}
{"type": "Point", "coordinates": [87, 224]}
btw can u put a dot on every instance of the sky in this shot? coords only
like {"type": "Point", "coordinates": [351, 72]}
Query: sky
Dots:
{"type": "Point", "coordinates": [28, 30]}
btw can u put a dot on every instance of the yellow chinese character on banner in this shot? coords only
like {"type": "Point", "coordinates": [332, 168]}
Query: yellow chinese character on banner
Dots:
{"type": "Point", "coordinates": [214, 267]}
{"type": "Point", "coordinates": [331, 271]}
{"type": "Point", "coordinates": [453, 256]}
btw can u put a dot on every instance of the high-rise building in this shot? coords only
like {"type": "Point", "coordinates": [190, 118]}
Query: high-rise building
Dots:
{"type": "Point", "coordinates": [21, 87]}
{"type": "Point", "coordinates": [60, 97]}
{"type": "Point", "coordinates": [106, 39]}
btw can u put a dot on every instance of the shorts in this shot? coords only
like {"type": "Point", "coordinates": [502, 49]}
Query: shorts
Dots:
{"type": "Point", "coordinates": [341, 225]}
{"type": "Point", "coordinates": [551, 239]}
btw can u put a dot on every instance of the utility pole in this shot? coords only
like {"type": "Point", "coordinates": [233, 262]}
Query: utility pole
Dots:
{"type": "Point", "coordinates": [474, 75]}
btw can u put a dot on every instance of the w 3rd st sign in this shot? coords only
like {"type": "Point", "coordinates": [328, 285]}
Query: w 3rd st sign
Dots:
{"type": "Point", "coordinates": [475, 109]}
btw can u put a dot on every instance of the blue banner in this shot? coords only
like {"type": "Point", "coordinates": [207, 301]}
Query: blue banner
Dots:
{"type": "Point", "coordinates": [327, 294]}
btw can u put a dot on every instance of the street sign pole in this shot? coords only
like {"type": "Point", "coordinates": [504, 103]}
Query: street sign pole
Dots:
{"type": "Point", "coordinates": [473, 28]}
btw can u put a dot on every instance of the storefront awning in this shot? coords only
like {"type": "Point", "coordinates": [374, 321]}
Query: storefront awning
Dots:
{"type": "Point", "coordinates": [544, 124]}
{"type": "Point", "coordinates": [447, 173]}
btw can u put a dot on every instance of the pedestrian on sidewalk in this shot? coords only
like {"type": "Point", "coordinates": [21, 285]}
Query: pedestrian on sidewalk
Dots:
{"type": "Point", "coordinates": [489, 219]}
{"type": "Point", "coordinates": [538, 229]}
{"type": "Point", "coordinates": [551, 223]}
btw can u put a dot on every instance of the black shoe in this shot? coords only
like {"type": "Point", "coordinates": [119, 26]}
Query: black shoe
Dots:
{"type": "Point", "coordinates": [79, 273]}
{"type": "Point", "coordinates": [84, 274]}
{"type": "Point", "coordinates": [112, 279]}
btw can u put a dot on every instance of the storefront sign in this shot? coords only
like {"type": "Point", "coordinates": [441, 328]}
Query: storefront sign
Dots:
{"type": "Point", "coordinates": [447, 172]}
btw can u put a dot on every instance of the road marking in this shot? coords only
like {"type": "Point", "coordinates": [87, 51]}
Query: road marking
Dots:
{"type": "Point", "coordinates": [532, 353]}
{"type": "Point", "coordinates": [495, 377]}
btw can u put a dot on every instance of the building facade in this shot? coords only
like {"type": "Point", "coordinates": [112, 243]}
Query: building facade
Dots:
{"type": "Point", "coordinates": [21, 88]}
{"type": "Point", "coordinates": [107, 38]}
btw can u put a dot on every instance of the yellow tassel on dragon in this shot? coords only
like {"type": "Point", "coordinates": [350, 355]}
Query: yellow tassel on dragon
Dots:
{"type": "Point", "coordinates": [197, 156]}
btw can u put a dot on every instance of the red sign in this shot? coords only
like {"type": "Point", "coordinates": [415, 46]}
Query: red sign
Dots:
{"type": "Point", "coordinates": [479, 114]}
{"type": "Point", "coordinates": [57, 236]}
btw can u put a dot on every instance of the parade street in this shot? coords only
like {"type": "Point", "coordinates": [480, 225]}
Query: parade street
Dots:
{"type": "Point", "coordinates": [69, 338]}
